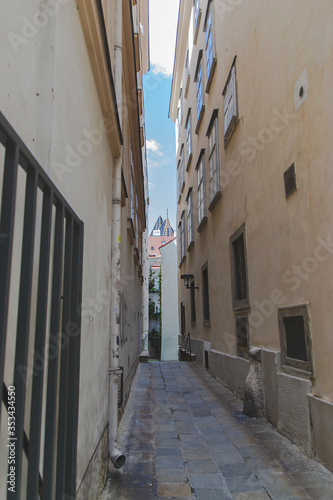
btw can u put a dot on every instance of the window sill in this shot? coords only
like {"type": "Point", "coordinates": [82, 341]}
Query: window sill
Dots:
{"type": "Point", "coordinates": [202, 223]}
{"type": "Point", "coordinates": [241, 305]}
{"type": "Point", "coordinates": [200, 119]}
{"type": "Point", "coordinates": [211, 75]}
{"type": "Point", "coordinates": [214, 201]}
{"type": "Point", "coordinates": [297, 372]}
{"type": "Point", "coordinates": [191, 245]}
{"type": "Point", "coordinates": [206, 322]}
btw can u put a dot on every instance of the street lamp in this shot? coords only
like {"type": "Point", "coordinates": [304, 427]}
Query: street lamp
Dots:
{"type": "Point", "coordinates": [188, 279]}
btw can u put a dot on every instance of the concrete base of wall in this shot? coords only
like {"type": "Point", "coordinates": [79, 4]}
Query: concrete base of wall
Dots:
{"type": "Point", "coordinates": [322, 418]}
{"type": "Point", "coordinates": [288, 403]}
{"type": "Point", "coordinates": [294, 414]}
{"type": "Point", "coordinates": [229, 370]}
{"type": "Point", "coordinates": [270, 366]}
{"type": "Point", "coordinates": [94, 479]}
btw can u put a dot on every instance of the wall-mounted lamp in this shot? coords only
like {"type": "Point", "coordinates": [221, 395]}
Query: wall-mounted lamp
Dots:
{"type": "Point", "coordinates": [188, 278]}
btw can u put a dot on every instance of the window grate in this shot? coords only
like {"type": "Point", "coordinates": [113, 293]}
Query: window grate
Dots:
{"type": "Point", "coordinates": [240, 268]}
{"type": "Point", "coordinates": [242, 335]}
{"type": "Point", "coordinates": [290, 180]}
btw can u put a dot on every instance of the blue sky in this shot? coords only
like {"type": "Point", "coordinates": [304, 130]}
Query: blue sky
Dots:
{"type": "Point", "coordinates": [160, 130]}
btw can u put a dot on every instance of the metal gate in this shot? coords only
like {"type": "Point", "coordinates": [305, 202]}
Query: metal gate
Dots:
{"type": "Point", "coordinates": [40, 372]}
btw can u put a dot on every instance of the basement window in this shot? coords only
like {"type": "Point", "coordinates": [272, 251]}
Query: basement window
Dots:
{"type": "Point", "coordinates": [242, 334]}
{"type": "Point", "coordinates": [295, 337]}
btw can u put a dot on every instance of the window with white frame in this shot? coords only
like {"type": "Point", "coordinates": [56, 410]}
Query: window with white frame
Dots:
{"type": "Point", "coordinates": [201, 188]}
{"type": "Point", "coordinates": [182, 169]}
{"type": "Point", "coordinates": [180, 111]}
{"type": "Point", "coordinates": [214, 165]}
{"type": "Point", "coordinates": [189, 218]}
{"type": "Point", "coordinates": [210, 45]}
{"type": "Point", "coordinates": [132, 185]}
{"type": "Point", "coordinates": [187, 73]}
{"type": "Point", "coordinates": [136, 217]}
{"type": "Point", "coordinates": [197, 17]}
{"type": "Point", "coordinates": [181, 234]}
{"type": "Point", "coordinates": [181, 173]}
{"type": "Point", "coordinates": [188, 140]}
{"type": "Point", "coordinates": [230, 108]}
{"type": "Point", "coordinates": [199, 90]}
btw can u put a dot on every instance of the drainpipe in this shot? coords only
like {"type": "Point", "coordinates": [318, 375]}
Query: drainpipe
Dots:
{"type": "Point", "coordinates": [116, 456]}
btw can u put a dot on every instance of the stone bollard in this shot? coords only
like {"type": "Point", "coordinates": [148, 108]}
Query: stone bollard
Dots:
{"type": "Point", "coordinates": [254, 405]}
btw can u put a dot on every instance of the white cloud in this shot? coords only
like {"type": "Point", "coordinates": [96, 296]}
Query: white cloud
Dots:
{"type": "Point", "coordinates": [154, 147]}
{"type": "Point", "coordinates": [163, 25]}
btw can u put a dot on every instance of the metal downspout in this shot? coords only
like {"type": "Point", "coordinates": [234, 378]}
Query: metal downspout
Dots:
{"type": "Point", "coordinates": [117, 457]}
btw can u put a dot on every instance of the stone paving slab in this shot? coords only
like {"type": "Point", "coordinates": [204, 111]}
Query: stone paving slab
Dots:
{"type": "Point", "coordinates": [185, 437]}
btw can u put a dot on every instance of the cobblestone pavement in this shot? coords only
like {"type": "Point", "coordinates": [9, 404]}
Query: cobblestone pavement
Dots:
{"type": "Point", "coordinates": [184, 436]}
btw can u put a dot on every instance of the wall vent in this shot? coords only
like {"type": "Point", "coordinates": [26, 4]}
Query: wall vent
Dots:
{"type": "Point", "coordinates": [290, 180]}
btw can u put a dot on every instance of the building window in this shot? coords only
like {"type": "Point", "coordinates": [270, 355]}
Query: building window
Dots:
{"type": "Point", "coordinates": [180, 111]}
{"type": "Point", "coordinates": [193, 312]}
{"type": "Point", "coordinates": [189, 200]}
{"type": "Point", "coordinates": [199, 91]}
{"type": "Point", "coordinates": [230, 107]}
{"type": "Point", "coordinates": [187, 73]}
{"type": "Point", "coordinates": [181, 234]}
{"type": "Point", "coordinates": [197, 17]}
{"type": "Point", "coordinates": [239, 268]}
{"type": "Point", "coordinates": [182, 319]}
{"type": "Point", "coordinates": [295, 337]}
{"type": "Point", "coordinates": [188, 140]}
{"type": "Point", "coordinates": [214, 164]}
{"type": "Point", "coordinates": [202, 217]}
{"type": "Point", "coordinates": [181, 173]}
{"type": "Point", "coordinates": [205, 295]}
{"type": "Point", "coordinates": [132, 184]}
{"type": "Point", "coordinates": [242, 334]}
{"type": "Point", "coordinates": [210, 46]}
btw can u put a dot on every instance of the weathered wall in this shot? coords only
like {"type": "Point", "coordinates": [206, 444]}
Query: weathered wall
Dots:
{"type": "Point", "coordinates": [48, 94]}
{"type": "Point", "coordinates": [289, 241]}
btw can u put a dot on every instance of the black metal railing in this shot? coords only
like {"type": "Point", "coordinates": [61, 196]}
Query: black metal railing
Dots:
{"type": "Point", "coordinates": [49, 298]}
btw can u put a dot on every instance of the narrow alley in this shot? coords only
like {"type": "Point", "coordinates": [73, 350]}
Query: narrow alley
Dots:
{"type": "Point", "coordinates": [185, 436]}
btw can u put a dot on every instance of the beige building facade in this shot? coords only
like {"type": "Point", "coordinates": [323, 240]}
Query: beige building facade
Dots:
{"type": "Point", "coordinates": [252, 103]}
{"type": "Point", "coordinates": [73, 179]}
